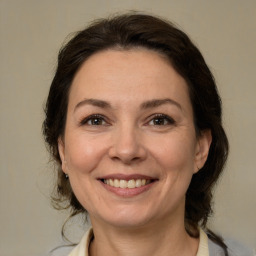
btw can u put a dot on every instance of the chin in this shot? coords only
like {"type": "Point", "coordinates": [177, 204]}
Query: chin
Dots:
{"type": "Point", "coordinates": [129, 223]}
{"type": "Point", "coordinates": [126, 218]}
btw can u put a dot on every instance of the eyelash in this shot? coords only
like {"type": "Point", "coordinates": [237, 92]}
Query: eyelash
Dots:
{"type": "Point", "coordinates": [166, 119]}
{"type": "Point", "coordinates": [91, 117]}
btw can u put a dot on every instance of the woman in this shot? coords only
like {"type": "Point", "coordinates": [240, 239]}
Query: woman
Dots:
{"type": "Point", "coordinates": [133, 120]}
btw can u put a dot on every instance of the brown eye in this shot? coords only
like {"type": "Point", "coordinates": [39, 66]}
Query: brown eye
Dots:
{"type": "Point", "coordinates": [159, 120]}
{"type": "Point", "coordinates": [94, 120]}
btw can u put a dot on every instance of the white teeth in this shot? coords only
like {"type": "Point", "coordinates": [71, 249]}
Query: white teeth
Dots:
{"type": "Point", "coordinates": [126, 184]}
{"type": "Point", "coordinates": [131, 184]}
{"type": "Point", "coordinates": [123, 184]}
{"type": "Point", "coordinates": [138, 183]}
{"type": "Point", "coordinates": [116, 183]}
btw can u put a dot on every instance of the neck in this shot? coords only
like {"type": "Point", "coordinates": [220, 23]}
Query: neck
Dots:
{"type": "Point", "coordinates": [159, 239]}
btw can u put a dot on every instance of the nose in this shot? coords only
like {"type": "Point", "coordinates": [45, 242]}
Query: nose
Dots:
{"type": "Point", "coordinates": [127, 146]}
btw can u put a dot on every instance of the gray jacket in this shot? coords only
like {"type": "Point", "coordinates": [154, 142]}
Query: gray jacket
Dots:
{"type": "Point", "coordinates": [234, 249]}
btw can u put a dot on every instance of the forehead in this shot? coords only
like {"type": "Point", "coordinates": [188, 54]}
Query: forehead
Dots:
{"type": "Point", "coordinates": [135, 74]}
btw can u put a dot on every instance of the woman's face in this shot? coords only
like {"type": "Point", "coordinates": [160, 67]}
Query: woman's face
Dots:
{"type": "Point", "coordinates": [130, 147]}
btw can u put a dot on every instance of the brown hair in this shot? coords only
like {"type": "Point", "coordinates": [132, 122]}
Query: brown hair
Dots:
{"type": "Point", "coordinates": [139, 30]}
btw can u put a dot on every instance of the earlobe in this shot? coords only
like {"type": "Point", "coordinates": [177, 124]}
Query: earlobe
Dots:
{"type": "Point", "coordinates": [61, 148]}
{"type": "Point", "coordinates": [203, 146]}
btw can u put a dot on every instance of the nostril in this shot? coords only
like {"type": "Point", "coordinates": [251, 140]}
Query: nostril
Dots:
{"type": "Point", "coordinates": [127, 149]}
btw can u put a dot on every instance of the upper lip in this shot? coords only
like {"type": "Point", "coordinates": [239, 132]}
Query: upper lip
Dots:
{"type": "Point", "coordinates": [121, 176]}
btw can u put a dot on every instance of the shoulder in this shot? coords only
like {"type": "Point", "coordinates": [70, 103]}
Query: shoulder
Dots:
{"type": "Point", "coordinates": [238, 249]}
{"type": "Point", "coordinates": [79, 249]}
{"type": "Point", "coordinates": [235, 248]}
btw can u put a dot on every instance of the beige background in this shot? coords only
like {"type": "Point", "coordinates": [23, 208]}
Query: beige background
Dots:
{"type": "Point", "coordinates": [31, 33]}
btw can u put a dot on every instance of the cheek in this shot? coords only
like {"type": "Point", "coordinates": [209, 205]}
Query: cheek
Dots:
{"type": "Point", "coordinates": [83, 157]}
{"type": "Point", "coordinates": [84, 154]}
{"type": "Point", "coordinates": [175, 157]}
{"type": "Point", "coordinates": [175, 153]}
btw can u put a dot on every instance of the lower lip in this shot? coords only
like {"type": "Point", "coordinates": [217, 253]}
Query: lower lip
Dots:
{"type": "Point", "coordinates": [128, 192]}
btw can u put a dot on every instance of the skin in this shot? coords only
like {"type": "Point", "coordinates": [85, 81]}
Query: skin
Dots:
{"type": "Point", "coordinates": [127, 139]}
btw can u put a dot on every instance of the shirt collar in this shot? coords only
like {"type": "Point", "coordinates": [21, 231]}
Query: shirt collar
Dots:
{"type": "Point", "coordinates": [82, 249]}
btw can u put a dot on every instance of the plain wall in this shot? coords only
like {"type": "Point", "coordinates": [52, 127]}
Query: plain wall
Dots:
{"type": "Point", "coordinates": [31, 33]}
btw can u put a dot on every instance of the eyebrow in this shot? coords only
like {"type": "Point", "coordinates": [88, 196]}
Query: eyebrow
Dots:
{"type": "Point", "coordinates": [158, 102]}
{"type": "Point", "coordinates": [145, 105]}
{"type": "Point", "coordinates": [93, 102]}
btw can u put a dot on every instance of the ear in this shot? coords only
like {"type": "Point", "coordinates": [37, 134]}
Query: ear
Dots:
{"type": "Point", "coordinates": [61, 148]}
{"type": "Point", "coordinates": [202, 149]}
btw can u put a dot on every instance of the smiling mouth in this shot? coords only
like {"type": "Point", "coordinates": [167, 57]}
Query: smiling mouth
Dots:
{"type": "Point", "coordinates": [132, 183]}
{"type": "Point", "coordinates": [127, 186]}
